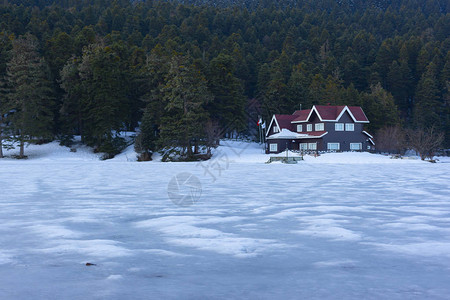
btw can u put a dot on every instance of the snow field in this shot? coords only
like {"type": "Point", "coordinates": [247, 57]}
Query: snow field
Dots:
{"type": "Point", "coordinates": [339, 226]}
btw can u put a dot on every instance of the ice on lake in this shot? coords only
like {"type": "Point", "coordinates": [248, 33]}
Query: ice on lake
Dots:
{"type": "Point", "coordinates": [339, 226]}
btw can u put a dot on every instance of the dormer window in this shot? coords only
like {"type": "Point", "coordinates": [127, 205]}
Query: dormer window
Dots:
{"type": "Point", "coordinates": [349, 127]}
{"type": "Point", "coordinates": [309, 127]}
{"type": "Point", "coordinates": [319, 127]}
{"type": "Point", "coordinates": [299, 128]}
{"type": "Point", "coordinates": [276, 129]}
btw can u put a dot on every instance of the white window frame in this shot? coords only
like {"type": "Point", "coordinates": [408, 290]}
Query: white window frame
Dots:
{"type": "Point", "coordinates": [299, 128]}
{"type": "Point", "coordinates": [275, 129]}
{"type": "Point", "coordinates": [352, 146]}
{"type": "Point", "coordinates": [273, 147]}
{"type": "Point", "coordinates": [303, 146]}
{"type": "Point", "coordinates": [309, 127]}
{"type": "Point", "coordinates": [349, 127]}
{"type": "Point", "coordinates": [339, 127]}
{"type": "Point", "coordinates": [319, 127]}
{"type": "Point", "coordinates": [331, 146]}
{"type": "Point", "coordinates": [312, 146]}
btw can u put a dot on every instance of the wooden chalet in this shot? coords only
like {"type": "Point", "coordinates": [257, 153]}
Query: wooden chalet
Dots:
{"type": "Point", "coordinates": [321, 128]}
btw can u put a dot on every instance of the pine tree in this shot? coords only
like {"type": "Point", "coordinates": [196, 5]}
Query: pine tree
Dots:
{"type": "Point", "coordinates": [332, 93]}
{"type": "Point", "coordinates": [275, 98]}
{"type": "Point", "coordinates": [185, 94]}
{"type": "Point", "coordinates": [104, 99]}
{"type": "Point", "coordinates": [386, 54]}
{"type": "Point", "coordinates": [446, 113]}
{"type": "Point", "coordinates": [71, 109]}
{"type": "Point", "coordinates": [380, 108]}
{"type": "Point", "coordinates": [316, 89]}
{"type": "Point", "coordinates": [146, 140]}
{"type": "Point", "coordinates": [4, 110]}
{"type": "Point", "coordinates": [298, 87]}
{"type": "Point", "coordinates": [3, 114]}
{"type": "Point", "coordinates": [4, 47]}
{"type": "Point", "coordinates": [228, 104]}
{"type": "Point", "coordinates": [154, 74]}
{"type": "Point", "coordinates": [31, 94]}
{"type": "Point", "coordinates": [352, 96]}
{"type": "Point", "coordinates": [427, 108]}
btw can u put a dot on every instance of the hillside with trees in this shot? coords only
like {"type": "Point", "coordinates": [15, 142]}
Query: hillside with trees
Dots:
{"type": "Point", "coordinates": [189, 72]}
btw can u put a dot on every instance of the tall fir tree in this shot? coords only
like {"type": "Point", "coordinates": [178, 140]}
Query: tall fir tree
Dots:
{"type": "Point", "coordinates": [104, 99]}
{"type": "Point", "coordinates": [185, 94]}
{"type": "Point", "coordinates": [4, 49]}
{"type": "Point", "coordinates": [71, 110]}
{"type": "Point", "coordinates": [298, 85]}
{"type": "Point", "coordinates": [399, 84]}
{"type": "Point", "coordinates": [228, 104]}
{"type": "Point", "coordinates": [31, 93]}
{"type": "Point", "coordinates": [146, 140]}
{"type": "Point", "coordinates": [154, 73]}
{"type": "Point", "coordinates": [3, 114]}
{"type": "Point", "coordinates": [428, 105]}
{"type": "Point", "coordinates": [380, 108]}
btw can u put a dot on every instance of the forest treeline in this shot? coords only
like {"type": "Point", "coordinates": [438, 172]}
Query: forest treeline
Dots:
{"type": "Point", "coordinates": [188, 72]}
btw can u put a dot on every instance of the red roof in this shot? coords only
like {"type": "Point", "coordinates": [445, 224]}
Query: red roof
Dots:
{"type": "Point", "coordinates": [331, 113]}
{"type": "Point", "coordinates": [325, 112]}
{"type": "Point", "coordinates": [358, 113]}
{"type": "Point", "coordinates": [301, 115]}
{"type": "Point", "coordinates": [328, 112]}
{"type": "Point", "coordinates": [313, 133]}
{"type": "Point", "coordinates": [284, 121]}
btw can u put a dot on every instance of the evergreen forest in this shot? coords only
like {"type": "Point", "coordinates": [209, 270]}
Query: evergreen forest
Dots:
{"type": "Point", "coordinates": [186, 73]}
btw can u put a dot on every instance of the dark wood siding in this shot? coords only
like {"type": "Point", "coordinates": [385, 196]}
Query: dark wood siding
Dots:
{"type": "Point", "coordinates": [292, 144]}
{"type": "Point", "coordinates": [281, 145]}
{"type": "Point", "coordinates": [271, 128]}
{"type": "Point", "coordinates": [344, 138]}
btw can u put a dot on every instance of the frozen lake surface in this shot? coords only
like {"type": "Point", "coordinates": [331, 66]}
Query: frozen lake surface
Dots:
{"type": "Point", "coordinates": [339, 226]}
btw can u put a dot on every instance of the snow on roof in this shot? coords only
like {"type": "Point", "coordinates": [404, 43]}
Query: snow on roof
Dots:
{"type": "Point", "coordinates": [314, 134]}
{"type": "Point", "coordinates": [287, 134]}
{"type": "Point", "coordinates": [365, 132]}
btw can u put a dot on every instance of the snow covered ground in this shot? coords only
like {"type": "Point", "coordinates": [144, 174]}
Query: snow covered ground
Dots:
{"type": "Point", "coordinates": [339, 226]}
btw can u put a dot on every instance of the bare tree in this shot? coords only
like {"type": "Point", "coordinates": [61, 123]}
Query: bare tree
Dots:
{"type": "Point", "coordinates": [425, 141]}
{"type": "Point", "coordinates": [391, 139]}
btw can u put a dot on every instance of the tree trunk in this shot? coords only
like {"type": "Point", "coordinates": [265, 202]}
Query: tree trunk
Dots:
{"type": "Point", "coordinates": [22, 151]}
{"type": "Point", "coordinates": [196, 147]}
{"type": "Point", "coordinates": [1, 146]}
{"type": "Point", "coordinates": [189, 150]}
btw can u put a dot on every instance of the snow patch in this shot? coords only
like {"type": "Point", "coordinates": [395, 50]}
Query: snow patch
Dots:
{"type": "Point", "coordinates": [348, 263]}
{"type": "Point", "coordinates": [114, 277]}
{"type": "Point", "coordinates": [5, 258]}
{"type": "Point", "coordinates": [90, 248]}
{"type": "Point", "coordinates": [428, 248]}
